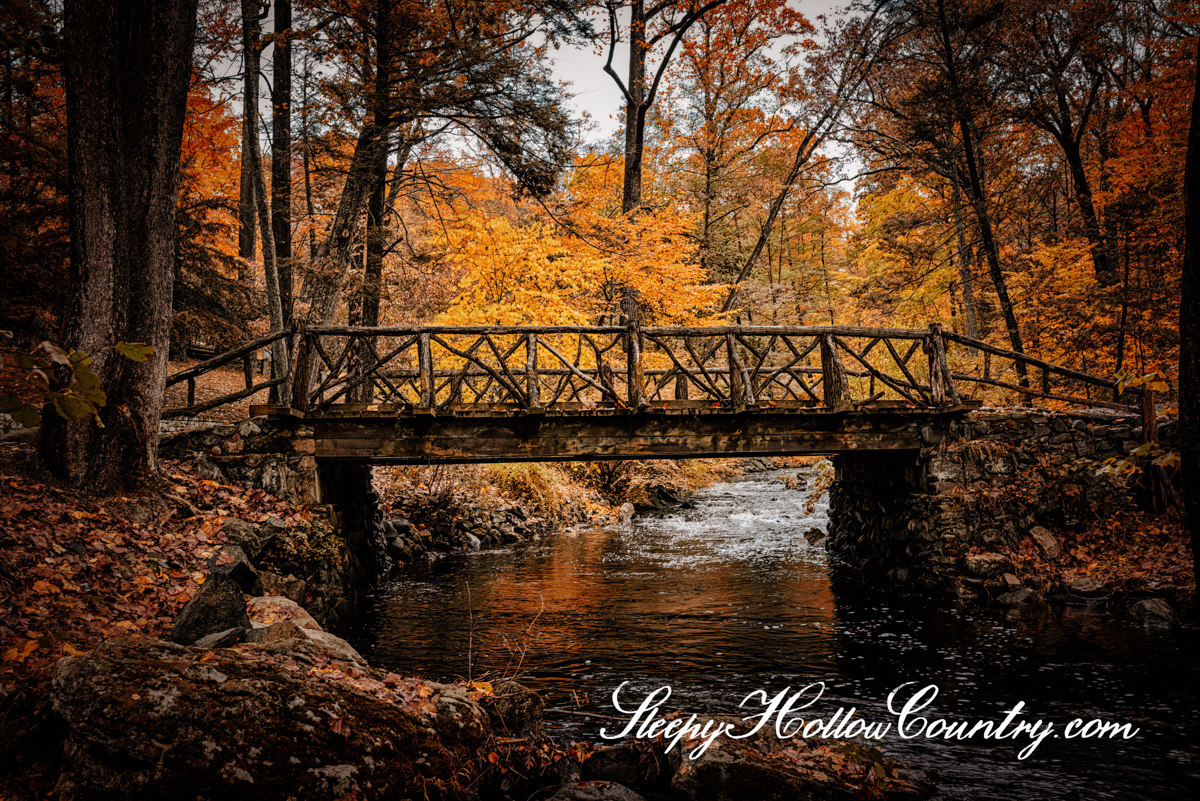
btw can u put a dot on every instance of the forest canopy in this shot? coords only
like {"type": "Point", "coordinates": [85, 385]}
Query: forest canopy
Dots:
{"type": "Point", "coordinates": [1012, 170]}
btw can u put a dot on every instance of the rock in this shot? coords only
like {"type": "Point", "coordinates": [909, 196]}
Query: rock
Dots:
{"type": "Point", "coordinates": [753, 768]}
{"type": "Point", "coordinates": [988, 564]}
{"type": "Point", "coordinates": [1017, 597]}
{"type": "Point", "coordinates": [222, 639]}
{"type": "Point", "coordinates": [1011, 581]}
{"type": "Point", "coordinates": [514, 709]}
{"type": "Point", "coordinates": [249, 538]}
{"type": "Point", "coordinates": [1154, 612]}
{"type": "Point", "coordinates": [815, 536]}
{"type": "Point", "coordinates": [19, 435]}
{"type": "Point", "coordinates": [218, 606]}
{"type": "Point", "coordinates": [473, 542]}
{"type": "Point", "coordinates": [271, 528]}
{"type": "Point", "coordinates": [614, 763]}
{"type": "Point", "coordinates": [1047, 542]}
{"type": "Point", "coordinates": [288, 586]}
{"type": "Point", "coordinates": [595, 791]}
{"type": "Point", "coordinates": [627, 511]}
{"type": "Point", "coordinates": [288, 636]}
{"type": "Point", "coordinates": [1085, 586]}
{"type": "Point", "coordinates": [233, 728]}
{"type": "Point", "coordinates": [231, 561]}
{"type": "Point", "coordinates": [274, 608]}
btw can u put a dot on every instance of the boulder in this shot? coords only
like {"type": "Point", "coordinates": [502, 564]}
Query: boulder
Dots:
{"type": "Point", "coordinates": [218, 606]}
{"type": "Point", "coordinates": [1086, 586]}
{"type": "Point", "coordinates": [150, 720]}
{"type": "Point", "coordinates": [1018, 597]}
{"type": "Point", "coordinates": [815, 536]}
{"type": "Point", "coordinates": [232, 561]}
{"type": "Point", "coordinates": [613, 763]}
{"type": "Point", "coordinates": [287, 586]}
{"type": "Point", "coordinates": [595, 791]}
{"type": "Point", "coordinates": [249, 537]}
{"type": "Point", "coordinates": [514, 709]}
{"type": "Point", "coordinates": [626, 511]}
{"type": "Point", "coordinates": [273, 608]}
{"type": "Point", "coordinates": [1046, 542]}
{"type": "Point", "coordinates": [766, 768]}
{"type": "Point", "coordinates": [288, 636]}
{"type": "Point", "coordinates": [987, 564]}
{"type": "Point", "coordinates": [1154, 612]}
{"type": "Point", "coordinates": [222, 639]}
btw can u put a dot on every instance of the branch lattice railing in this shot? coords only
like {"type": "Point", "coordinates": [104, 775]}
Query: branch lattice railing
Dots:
{"type": "Point", "coordinates": [435, 369]}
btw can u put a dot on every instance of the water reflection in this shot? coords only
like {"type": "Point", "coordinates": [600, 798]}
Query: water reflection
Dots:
{"type": "Point", "coordinates": [727, 597]}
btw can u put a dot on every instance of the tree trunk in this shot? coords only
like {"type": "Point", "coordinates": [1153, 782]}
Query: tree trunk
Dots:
{"type": "Point", "coordinates": [279, 348]}
{"type": "Point", "coordinates": [281, 154]}
{"type": "Point", "coordinates": [1102, 262]}
{"type": "Point", "coordinates": [977, 191]}
{"type": "Point", "coordinates": [125, 108]}
{"type": "Point", "coordinates": [250, 36]}
{"type": "Point", "coordinates": [964, 263]}
{"type": "Point", "coordinates": [1189, 331]}
{"type": "Point", "coordinates": [635, 109]}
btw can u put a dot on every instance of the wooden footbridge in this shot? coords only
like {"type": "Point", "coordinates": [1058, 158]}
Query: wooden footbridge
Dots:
{"type": "Point", "coordinates": [476, 394]}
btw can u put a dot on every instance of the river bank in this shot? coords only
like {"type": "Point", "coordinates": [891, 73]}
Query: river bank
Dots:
{"type": "Point", "coordinates": [97, 702]}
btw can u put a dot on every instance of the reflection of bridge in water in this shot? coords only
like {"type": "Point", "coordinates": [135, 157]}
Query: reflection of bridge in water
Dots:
{"type": "Point", "coordinates": [475, 394]}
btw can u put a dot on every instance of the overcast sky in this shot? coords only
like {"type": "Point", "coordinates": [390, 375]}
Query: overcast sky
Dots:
{"type": "Point", "coordinates": [596, 94]}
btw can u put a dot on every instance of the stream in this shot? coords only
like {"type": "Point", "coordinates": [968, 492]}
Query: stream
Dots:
{"type": "Point", "coordinates": [727, 597]}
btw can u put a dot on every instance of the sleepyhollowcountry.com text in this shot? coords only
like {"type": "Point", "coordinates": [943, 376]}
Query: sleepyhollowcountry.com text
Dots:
{"type": "Point", "coordinates": [781, 712]}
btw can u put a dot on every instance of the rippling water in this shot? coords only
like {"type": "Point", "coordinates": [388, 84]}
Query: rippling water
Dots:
{"type": "Point", "coordinates": [727, 597]}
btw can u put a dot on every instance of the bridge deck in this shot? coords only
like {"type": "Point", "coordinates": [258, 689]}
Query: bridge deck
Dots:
{"type": "Point", "coordinates": [672, 430]}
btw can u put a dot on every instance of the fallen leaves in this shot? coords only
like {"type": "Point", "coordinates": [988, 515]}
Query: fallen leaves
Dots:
{"type": "Point", "coordinates": [75, 570]}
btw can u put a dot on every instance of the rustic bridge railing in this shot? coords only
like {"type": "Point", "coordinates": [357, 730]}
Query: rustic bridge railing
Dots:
{"type": "Point", "coordinates": [531, 369]}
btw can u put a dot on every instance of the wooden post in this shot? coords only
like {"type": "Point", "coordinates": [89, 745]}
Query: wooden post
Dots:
{"type": "Point", "coordinates": [834, 385]}
{"type": "Point", "coordinates": [737, 395]}
{"type": "Point", "coordinates": [191, 392]}
{"type": "Point", "coordinates": [531, 372]}
{"type": "Point", "coordinates": [425, 360]}
{"type": "Point", "coordinates": [247, 369]}
{"type": "Point", "coordinates": [1149, 416]}
{"type": "Point", "coordinates": [300, 382]}
{"type": "Point", "coordinates": [681, 385]}
{"type": "Point", "coordinates": [941, 387]}
{"type": "Point", "coordinates": [633, 355]}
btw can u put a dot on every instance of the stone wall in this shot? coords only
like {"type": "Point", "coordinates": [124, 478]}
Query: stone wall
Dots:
{"type": "Point", "coordinates": [933, 519]}
{"type": "Point", "coordinates": [274, 455]}
{"type": "Point", "coordinates": [277, 455]}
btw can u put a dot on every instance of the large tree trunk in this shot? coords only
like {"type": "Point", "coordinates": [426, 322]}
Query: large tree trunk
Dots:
{"type": "Point", "coordinates": [635, 109]}
{"type": "Point", "coordinates": [250, 36]}
{"type": "Point", "coordinates": [1189, 332]}
{"type": "Point", "coordinates": [127, 68]}
{"type": "Point", "coordinates": [281, 153]}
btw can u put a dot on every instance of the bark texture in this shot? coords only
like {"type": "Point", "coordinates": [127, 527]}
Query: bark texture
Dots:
{"type": "Point", "coordinates": [127, 65]}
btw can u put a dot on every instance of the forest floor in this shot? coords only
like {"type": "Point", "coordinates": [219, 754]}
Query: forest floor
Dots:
{"type": "Point", "coordinates": [213, 384]}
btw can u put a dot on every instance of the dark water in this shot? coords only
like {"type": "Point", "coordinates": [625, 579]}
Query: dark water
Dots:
{"type": "Point", "coordinates": [727, 598]}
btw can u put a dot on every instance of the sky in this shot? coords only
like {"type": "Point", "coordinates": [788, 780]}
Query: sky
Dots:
{"type": "Point", "coordinates": [594, 91]}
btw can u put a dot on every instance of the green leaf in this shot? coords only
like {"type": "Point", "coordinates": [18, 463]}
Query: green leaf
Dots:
{"type": "Point", "coordinates": [136, 351]}
{"type": "Point", "coordinates": [23, 413]}
{"type": "Point", "coordinates": [23, 360]}
{"type": "Point", "coordinates": [73, 407]}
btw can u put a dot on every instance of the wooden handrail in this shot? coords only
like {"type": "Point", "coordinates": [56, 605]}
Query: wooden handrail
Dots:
{"type": "Point", "coordinates": [738, 367]}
